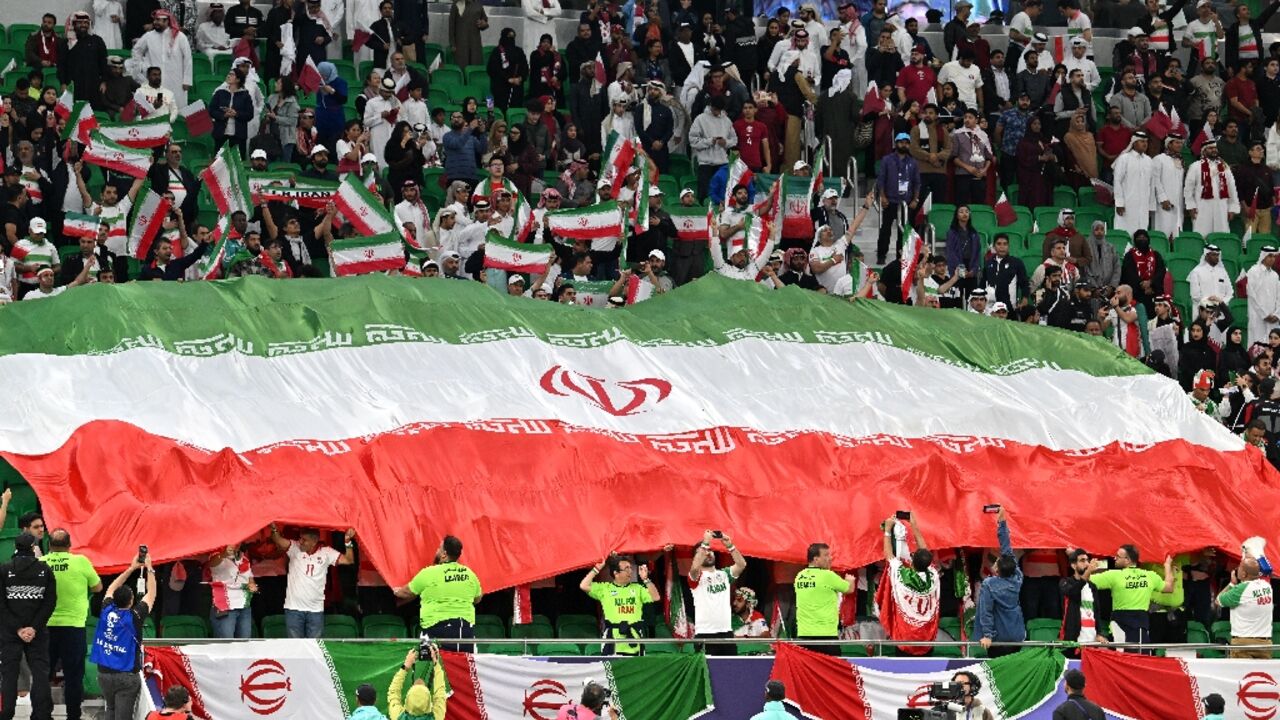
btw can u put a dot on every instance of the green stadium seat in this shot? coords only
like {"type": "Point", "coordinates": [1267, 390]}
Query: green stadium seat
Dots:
{"type": "Point", "coordinates": [1086, 197]}
{"type": "Point", "coordinates": [1228, 242]}
{"type": "Point", "coordinates": [1182, 294]}
{"type": "Point", "coordinates": [482, 619]}
{"type": "Point", "coordinates": [488, 632]}
{"type": "Point", "coordinates": [857, 650]}
{"type": "Point", "coordinates": [475, 75]}
{"type": "Point", "coordinates": [19, 32]}
{"type": "Point", "coordinates": [1046, 218]}
{"type": "Point", "coordinates": [512, 650]}
{"type": "Point", "coordinates": [448, 74]}
{"type": "Point", "coordinates": [390, 627]}
{"type": "Point", "coordinates": [273, 627]}
{"type": "Point", "coordinates": [184, 627]}
{"type": "Point", "coordinates": [342, 627]}
{"type": "Point", "coordinates": [1064, 197]}
{"type": "Point", "coordinates": [1233, 266]}
{"type": "Point", "coordinates": [982, 216]}
{"type": "Point", "coordinates": [24, 500]}
{"type": "Point", "coordinates": [533, 631]}
{"type": "Point", "coordinates": [1119, 240]}
{"type": "Point", "coordinates": [437, 97]}
{"type": "Point", "coordinates": [557, 650]}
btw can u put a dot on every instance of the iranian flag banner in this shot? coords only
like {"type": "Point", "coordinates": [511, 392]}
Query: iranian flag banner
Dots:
{"type": "Point", "coordinates": [284, 187]}
{"type": "Point", "coordinates": [912, 251]}
{"type": "Point", "coordinates": [601, 220]}
{"type": "Point", "coordinates": [80, 123]}
{"type": "Point", "coordinates": [618, 156]}
{"type": "Point", "coordinates": [831, 688]}
{"type": "Point", "coordinates": [360, 255]}
{"type": "Point", "coordinates": [66, 101]}
{"type": "Point", "coordinates": [593, 294]}
{"type": "Point", "coordinates": [672, 687]}
{"type": "Point", "coordinates": [639, 214]}
{"type": "Point", "coordinates": [145, 223]}
{"type": "Point", "coordinates": [105, 153]}
{"type": "Point", "coordinates": [363, 210]}
{"type": "Point", "coordinates": [652, 395]}
{"type": "Point", "coordinates": [797, 200]}
{"type": "Point", "coordinates": [149, 133]}
{"type": "Point", "coordinates": [516, 257]}
{"type": "Point", "coordinates": [77, 225]}
{"type": "Point", "coordinates": [1174, 689]}
{"type": "Point", "coordinates": [228, 182]}
{"type": "Point", "coordinates": [690, 222]}
{"type": "Point", "coordinates": [210, 266]}
{"type": "Point", "coordinates": [739, 174]}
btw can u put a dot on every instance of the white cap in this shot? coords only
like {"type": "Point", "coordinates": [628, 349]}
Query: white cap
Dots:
{"type": "Point", "coordinates": [686, 191]}
{"type": "Point", "coordinates": [655, 191]}
{"type": "Point", "coordinates": [658, 254]}
{"type": "Point", "coordinates": [515, 278]}
{"type": "Point", "coordinates": [259, 153]}
{"type": "Point", "coordinates": [1204, 3]}
{"type": "Point", "coordinates": [800, 165]}
{"type": "Point", "coordinates": [997, 306]}
{"type": "Point", "coordinates": [319, 149]}
{"type": "Point", "coordinates": [1135, 32]}
{"type": "Point", "coordinates": [37, 225]}
{"type": "Point", "coordinates": [829, 193]}
{"type": "Point", "coordinates": [368, 157]}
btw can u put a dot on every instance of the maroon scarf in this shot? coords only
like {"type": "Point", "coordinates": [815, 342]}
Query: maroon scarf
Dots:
{"type": "Point", "coordinates": [1206, 187]}
{"type": "Point", "coordinates": [1145, 260]}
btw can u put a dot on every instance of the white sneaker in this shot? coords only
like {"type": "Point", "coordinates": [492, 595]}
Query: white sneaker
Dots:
{"type": "Point", "coordinates": [23, 700]}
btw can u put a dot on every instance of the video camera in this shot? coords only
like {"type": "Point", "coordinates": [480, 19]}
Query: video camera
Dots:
{"type": "Point", "coordinates": [945, 697]}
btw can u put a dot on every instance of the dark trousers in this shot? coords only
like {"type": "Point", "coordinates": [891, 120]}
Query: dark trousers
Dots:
{"type": "Point", "coordinates": [238, 143]}
{"type": "Point", "coordinates": [67, 647]}
{"type": "Point", "coordinates": [455, 629]}
{"type": "Point", "coordinates": [996, 651]}
{"type": "Point", "coordinates": [888, 220]}
{"type": "Point", "coordinates": [935, 186]}
{"type": "Point", "coordinates": [970, 190]}
{"type": "Point", "coordinates": [705, 173]}
{"type": "Point", "coordinates": [1136, 626]}
{"type": "Point", "coordinates": [1008, 171]}
{"type": "Point", "coordinates": [1041, 598]}
{"type": "Point", "coordinates": [716, 648]}
{"type": "Point", "coordinates": [824, 649]}
{"type": "Point", "coordinates": [37, 654]}
{"type": "Point", "coordinates": [688, 262]}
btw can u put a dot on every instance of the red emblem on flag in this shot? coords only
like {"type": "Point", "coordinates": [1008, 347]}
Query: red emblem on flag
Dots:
{"type": "Point", "coordinates": [368, 253]}
{"type": "Point", "coordinates": [543, 699]}
{"type": "Point", "coordinates": [1259, 696]}
{"type": "Point", "coordinates": [134, 132]}
{"type": "Point", "coordinates": [265, 687]}
{"type": "Point", "coordinates": [582, 221]}
{"type": "Point", "coordinates": [635, 395]}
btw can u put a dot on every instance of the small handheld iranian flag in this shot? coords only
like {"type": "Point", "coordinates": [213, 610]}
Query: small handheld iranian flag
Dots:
{"type": "Point", "coordinates": [77, 225]}
{"type": "Point", "coordinates": [523, 216]}
{"type": "Point", "coordinates": [227, 182]}
{"type": "Point", "coordinates": [911, 251]}
{"type": "Point", "coordinates": [617, 159]}
{"type": "Point", "coordinates": [640, 202]}
{"type": "Point", "coordinates": [80, 123]}
{"type": "Point", "coordinates": [739, 174]}
{"type": "Point", "coordinates": [517, 257]}
{"type": "Point", "coordinates": [601, 220]}
{"type": "Point", "coordinates": [107, 154]}
{"type": "Point", "coordinates": [197, 117]}
{"type": "Point", "coordinates": [210, 266]}
{"type": "Point", "coordinates": [66, 101]}
{"type": "Point", "coordinates": [362, 209]}
{"type": "Point", "coordinates": [594, 293]}
{"type": "Point", "coordinates": [674, 610]}
{"type": "Point", "coordinates": [149, 133]}
{"type": "Point", "coordinates": [360, 255]}
{"type": "Point", "coordinates": [690, 222]}
{"type": "Point", "coordinates": [144, 226]}
{"type": "Point", "coordinates": [522, 604]}
{"type": "Point", "coordinates": [818, 161]}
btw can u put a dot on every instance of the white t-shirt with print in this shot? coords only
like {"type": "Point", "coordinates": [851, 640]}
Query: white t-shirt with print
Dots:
{"type": "Point", "coordinates": [307, 577]}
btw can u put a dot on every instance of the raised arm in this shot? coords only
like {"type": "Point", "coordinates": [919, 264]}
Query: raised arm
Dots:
{"type": "Point", "coordinates": [150, 597]}
{"type": "Point", "coordinates": [280, 541]}
{"type": "Point", "coordinates": [585, 585]}
{"type": "Point", "coordinates": [643, 572]}
{"type": "Point", "coordinates": [888, 538]}
{"type": "Point", "coordinates": [700, 556]}
{"type": "Point", "coordinates": [349, 557]}
{"type": "Point", "coordinates": [135, 187]}
{"type": "Point", "coordinates": [739, 561]}
{"type": "Point", "coordinates": [1168, 575]}
{"type": "Point", "coordinates": [122, 578]}
{"type": "Point", "coordinates": [915, 527]}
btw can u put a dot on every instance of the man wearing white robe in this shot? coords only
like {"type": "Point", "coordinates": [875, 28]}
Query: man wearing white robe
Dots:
{"type": "Point", "coordinates": [1264, 295]}
{"type": "Point", "coordinates": [539, 16]}
{"type": "Point", "coordinates": [108, 18]}
{"type": "Point", "coordinates": [1210, 278]}
{"type": "Point", "coordinates": [855, 41]}
{"type": "Point", "coordinates": [1135, 186]}
{"type": "Point", "coordinates": [168, 50]}
{"type": "Point", "coordinates": [336, 11]}
{"type": "Point", "coordinates": [361, 15]}
{"type": "Point", "coordinates": [1212, 202]}
{"type": "Point", "coordinates": [211, 37]}
{"type": "Point", "coordinates": [380, 115]}
{"type": "Point", "coordinates": [1169, 178]}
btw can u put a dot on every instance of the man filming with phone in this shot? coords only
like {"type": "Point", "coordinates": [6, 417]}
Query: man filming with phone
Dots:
{"type": "Point", "coordinates": [909, 592]}
{"type": "Point", "coordinates": [422, 701]}
{"type": "Point", "coordinates": [712, 597]}
{"type": "Point", "coordinates": [999, 614]}
{"type": "Point", "coordinates": [117, 642]}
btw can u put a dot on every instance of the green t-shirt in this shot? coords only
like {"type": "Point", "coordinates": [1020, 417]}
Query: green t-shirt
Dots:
{"type": "Point", "coordinates": [1131, 588]}
{"type": "Point", "coordinates": [818, 602]}
{"type": "Point", "coordinates": [447, 592]}
{"type": "Point", "coordinates": [621, 604]}
{"type": "Point", "coordinates": [74, 575]}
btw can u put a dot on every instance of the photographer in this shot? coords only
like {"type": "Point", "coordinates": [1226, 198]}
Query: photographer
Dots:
{"type": "Point", "coordinates": [712, 599]}
{"type": "Point", "coordinates": [971, 685]}
{"type": "Point", "coordinates": [999, 615]}
{"type": "Point", "coordinates": [1079, 624]}
{"type": "Point", "coordinates": [28, 595]}
{"type": "Point", "coordinates": [621, 601]}
{"type": "Point", "coordinates": [421, 702]}
{"type": "Point", "coordinates": [595, 703]}
{"type": "Point", "coordinates": [909, 594]}
{"type": "Point", "coordinates": [117, 642]}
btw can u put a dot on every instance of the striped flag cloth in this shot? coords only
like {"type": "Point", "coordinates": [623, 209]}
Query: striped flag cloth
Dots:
{"type": "Point", "coordinates": [282, 187]}
{"type": "Point", "coordinates": [197, 118]}
{"type": "Point", "coordinates": [523, 215]}
{"type": "Point", "coordinates": [148, 133]}
{"type": "Point", "coordinates": [148, 217]}
{"type": "Point", "coordinates": [739, 174]}
{"type": "Point", "coordinates": [522, 604]}
{"type": "Point", "coordinates": [360, 255]}
{"type": "Point", "coordinates": [80, 123]}
{"type": "Point", "coordinates": [66, 102]}
{"type": "Point", "coordinates": [517, 257]}
{"type": "Point", "coordinates": [362, 209]}
{"type": "Point", "coordinates": [601, 220]}
{"type": "Point", "coordinates": [210, 266]}
{"type": "Point", "coordinates": [690, 222]}
{"type": "Point", "coordinates": [228, 182]}
{"type": "Point", "coordinates": [818, 160]}
{"type": "Point", "coordinates": [77, 225]}
{"type": "Point", "coordinates": [639, 214]}
{"type": "Point", "coordinates": [309, 79]}
{"type": "Point", "coordinates": [912, 249]}
{"type": "Point", "coordinates": [128, 161]}
{"type": "Point", "coordinates": [617, 159]}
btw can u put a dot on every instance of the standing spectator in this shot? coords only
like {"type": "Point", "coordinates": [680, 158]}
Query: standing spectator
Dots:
{"type": "Point", "coordinates": [241, 17]}
{"type": "Point", "coordinates": [231, 109]}
{"type": "Point", "coordinates": [313, 32]}
{"type": "Point", "coordinates": [167, 48]}
{"type": "Point", "coordinates": [1204, 33]}
{"type": "Point", "coordinates": [1113, 139]}
{"type": "Point", "coordinates": [1135, 186]}
{"type": "Point", "coordinates": [754, 146]}
{"type": "Point", "coordinates": [117, 641]}
{"type": "Point", "coordinates": [380, 116]}
{"type": "Point", "coordinates": [973, 157]}
{"type": "Point", "coordinates": [331, 100]}
{"type": "Point", "coordinates": [1131, 590]}
{"type": "Point", "coordinates": [41, 48]}
{"type": "Point", "coordinates": [1037, 167]}
{"type": "Point", "coordinates": [931, 147]}
{"type": "Point", "coordinates": [508, 70]}
{"type": "Point", "coordinates": [1022, 27]}
{"type": "Point", "coordinates": [1143, 270]}
{"type": "Point", "coordinates": [655, 125]}
{"type": "Point", "coordinates": [1079, 619]}
{"type": "Point", "coordinates": [711, 137]}
{"type": "Point", "coordinates": [1077, 61]}
{"type": "Point", "coordinates": [231, 580]}
{"type": "Point", "coordinates": [916, 80]}
{"type": "Point", "coordinates": [712, 591]}
{"type": "Point", "coordinates": [1077, 707]}
{"type": "Point", "coordinates": [964, 248]}
{"type": "Point", "coordinates": [169, 176]}
{"type": "Point", "coordinates": [954, 31]}
{"type": "Point", "coordinates": [309, 564]}
{"type": "Point", "coordinates": [999, 613]}
{"type": "Point", "coordinates": [1210, 192]}
{"type": "Point", "coordinates": [1032, 81]}
{"type": "Point", "coordinates": [1078, 251]}
{"type": "Point", "coordinates": [137, 19]}
{"type": "Point", "coordinates": [1242, 98]}
{"type": "Point", "coordinates": [421, 701]}
{"type": "Point", "coordinates": [818, 592]}
{"type": "Point", "coordinates": [118, 88]}
{"type": "Point", "coordinates": [384, 34]}
{"type": "Point", "coordinates": [898, 185]}
{"type": "Point", "coordinates": [463, 145]}
{"type": "Point", "coordinates": [28, 596]}
{"type": "Point", "coordinates": [621, 602]}
{"type": "Point", "coordinates": [278, 16]}
{"type": "Point", "coordinates": [108, 20]}
{"type": "Point", "coordinates": [1254, 189]}
{"type": "Point", "coordinates": [1135, 107]}
{"type": "Point", "coordinates": [82, 60]}
{"type": "Point", "coordinates": [466, 20]}
{"type": "Point", "coordinates": [1169, 175]}
{"type": "Point", "coordinates": [1104, 266]}
{"type": "Point", "coordinates": [448, 592]}
{"type": "Point", "coordinates": [794, 91]}
{"type": "Point", "coordinates": [1206, 90]}
{"type": "Point", "coordinates": [1249, 598]}
{"type": "Point", "coordinates": [1004, 275]}
{"type": "Point", "coordinates": [916, 582]}
{"type": "Point", "coordinates": [76, 580]}
{"type": "Point", "coordinates": [548, 72]}
{"type": "Point", "coordinates": [1268, 85]}
{"type": "Point", "coordinates": [281, 116]}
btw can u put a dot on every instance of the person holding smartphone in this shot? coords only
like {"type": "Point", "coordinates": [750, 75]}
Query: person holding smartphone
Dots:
{"type": "Point", "coordinates": [712, 595]}
{"type": "Point", "coordinates": [423, 700]}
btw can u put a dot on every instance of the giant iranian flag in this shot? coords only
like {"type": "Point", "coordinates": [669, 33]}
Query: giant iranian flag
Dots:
{"type": "Point", "coordinates": [305, 402]}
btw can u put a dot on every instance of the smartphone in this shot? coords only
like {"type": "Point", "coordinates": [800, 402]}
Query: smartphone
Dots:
{"type": "Point", "coordinates": [717, 534]}
{"type": "Point", "coordinates": [991, 509]}
{"type": "Point", "coordinates": [903, 514]}
{"type": "Point", "coordinates": [142, 553]}
{"type": "Point", "coordinates": [488, 103]}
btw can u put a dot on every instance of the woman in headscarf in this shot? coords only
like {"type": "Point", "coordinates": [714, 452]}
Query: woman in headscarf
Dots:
{"type": "Point", "coordinates": [508, 71]}
{"type": "Point", "coordinates": [949, 103]}
{"type": "Point", "coordinates": [458, 199]}
{"type": "Point", "coordinates": [827, 256]}
{"type": "Point", "coordinates": [470, 109]}
{"type": "Point", "coordinates": [372, 83]}
{"type": "Point", "coordinates": [44, 108]}
{"type": "Point", "coordinates": [964, 248]}
{"type": "Point", "coordinates": [1195, 355]}
{"type": "Point", "coordinates": [837, 114]}
{"type": "Point", "coordinates": [1233, 359]}
{"type": "Point", "coordinates": [764, 48]}
{"type": "Point", "coordinates": [522, 160]}
{"type": "Point", "coordinates": [571, 147]}
{"type": "Point", "coordinates": [552, 120]}
{"type": "Point", "coordinates": [1081, 156]}
{"type": "Point", "coordinates": [497, 144]}
{"type": "Point", "coordinates": [1035, 160]}
{"type": "Point", "coordinates": [547, 71]}
{"type": "Point", "coordinates": [652, 64]}
{"type": "Point", "coordinates": [331, 99]}
{"type": "Point", "coordinates": [403, 153]}
{"type": "Point", "coordinates": [882, 125]}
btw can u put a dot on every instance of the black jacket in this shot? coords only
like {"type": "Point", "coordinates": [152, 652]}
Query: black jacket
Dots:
{"type": "Point", "coordinates": [1055, 307]}
{"type": "Point", "coordinates": [662, 125]}
{"type": "Point", "coordinates": [28, 594]}
{"type": "Point", "coordinates": [1078, 708]}
{"type": "Point", "coordinates": [1233, 38]}
{"type": "Point", "coordinates": [108, 260]}
{"type": "Point", "coordinates": [240, 17]}
{"type": "Point", "coordinates": [175, 269]}
{"type": "Point", "coordinates": [158, 177]}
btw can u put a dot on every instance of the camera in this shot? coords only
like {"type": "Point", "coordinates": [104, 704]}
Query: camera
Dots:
{"type": "Point", "coordinates": [424, 647]}
{"type": "Point", "coordinates": [945, 697]}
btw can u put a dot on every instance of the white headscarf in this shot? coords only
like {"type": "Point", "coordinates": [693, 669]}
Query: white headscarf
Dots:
{"type": "Point", "coordinates": [693, 84]}
{"type": "Point", "coordinates": [840, 82]}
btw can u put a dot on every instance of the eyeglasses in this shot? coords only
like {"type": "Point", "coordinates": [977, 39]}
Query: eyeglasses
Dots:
{"type": "Point", "coordinates": [308, 116]}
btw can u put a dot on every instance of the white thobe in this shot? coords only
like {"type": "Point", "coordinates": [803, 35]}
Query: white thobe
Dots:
{"type": "Point", "coordinates": [1169, 176]}
{"type": "Point", "coordinates": [336, 11]}
{"type": "Point", "coordinates": [363, 14]}
{"type": "Point", "coordinates": [465, 241]}
{"type": "Point", "coordinates": [416, 213]}
{"type": "Point", "coordinates": [1264, 300]}
{"type": "Point", "coordinates": [1207, 280]}
{"type": "Point", "coordinates": [855, 43]}
{"type": "Point", "coordinates": [1211, 214]}
{"type": "Point", "coordinates": [1135, 191]}
{"type": "Point", "coordinates": [211, 38]}
{"type": "Point", "coordinates": [379, 127]}
{"type": "Point", "coordinates": [540, 14]}
{"type": "Point", "coordinates": [172, 54]}
{"type": "Point", "coordinates": [102, 25]}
